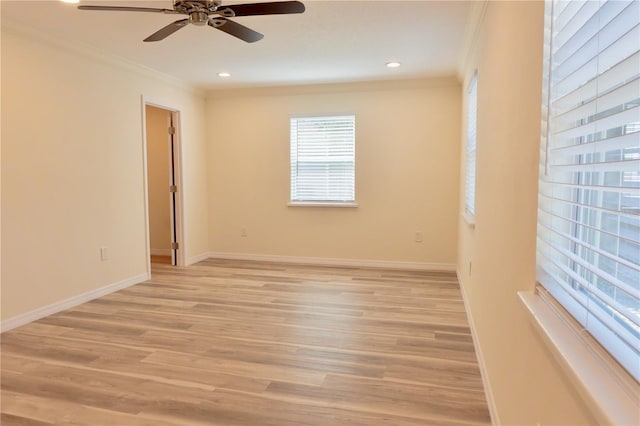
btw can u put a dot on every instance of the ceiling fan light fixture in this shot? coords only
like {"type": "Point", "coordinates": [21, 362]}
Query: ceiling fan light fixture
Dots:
{"type": "Point", "coordinates": [393, 64]}
{"type": "Point", "coordinates": [224, 74]}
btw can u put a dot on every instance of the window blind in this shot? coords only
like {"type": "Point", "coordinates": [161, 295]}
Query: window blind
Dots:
{"type": "Point", "coordinates": [323, 159]}
{"type": "Point", "coordinates": [470, 166]}
{"type": "Point", "coordinates": [588, 247]}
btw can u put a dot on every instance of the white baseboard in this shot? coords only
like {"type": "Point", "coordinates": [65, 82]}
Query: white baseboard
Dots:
{"type": "Point", "coordinates": [326, 261]}
{"type": "Point", "coordinates": [53, 308]}
{"type": "Point", "coordinates": [491, 403]}
{"type": "Point", "coordinates": [160, 252]}
{"type": "Point", "coordinates": [198, 258]}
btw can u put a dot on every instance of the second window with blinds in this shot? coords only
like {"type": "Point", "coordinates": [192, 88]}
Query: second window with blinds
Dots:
{"type": "Point", "coordinates": [470, 165]}
{"type": "Point", "coordinates": [323, 161]}
{"type": "Point", "coordinates": [589, 188]}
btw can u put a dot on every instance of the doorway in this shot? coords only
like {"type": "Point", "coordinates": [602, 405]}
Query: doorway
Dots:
{"type": "Point", "coordinates": [163, 184]}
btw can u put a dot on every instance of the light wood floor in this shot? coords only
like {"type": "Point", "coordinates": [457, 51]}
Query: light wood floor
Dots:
{"type": "Point", "coordinates": [166, 260]}
{"type": "Point", "coordinates": [248, 343]}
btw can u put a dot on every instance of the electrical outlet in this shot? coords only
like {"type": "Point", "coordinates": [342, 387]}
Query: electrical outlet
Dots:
{"type": "Point", "coordinates": [418, 237]}
{"type": "Point", "coordinates": [104, 253]}
{"type": "Point", "coordinates": [243, 232]}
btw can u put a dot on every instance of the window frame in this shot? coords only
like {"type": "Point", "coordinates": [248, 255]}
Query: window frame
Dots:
{"type": "Point", "coordinates": [573, 208]}
{"type": "Point", "coordinates": [301, 202]}
{"type": "Point", "coordinates": [609, 390]}
{"type": "Point", "coordinates": [471, 149]}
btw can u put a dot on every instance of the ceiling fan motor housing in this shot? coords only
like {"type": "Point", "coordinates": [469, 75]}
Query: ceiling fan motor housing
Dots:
{"type": "Point", "coordinates": [190, 6]}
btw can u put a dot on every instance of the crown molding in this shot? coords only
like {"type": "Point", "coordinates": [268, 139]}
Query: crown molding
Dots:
{"type": "Point", "coordinates": [84, 50]}
{"type": "Point", "coordinates": [474, 23]}
{"type": "Point", "coordinates": [426, 82]}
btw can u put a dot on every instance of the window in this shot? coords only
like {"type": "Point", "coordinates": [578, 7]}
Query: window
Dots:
{"type": "Point", "coordinates": [470, 170]}
{"type": "Point", "coordinates": [323, 160]}
{"type": "Point", "coordinates": [588, 252]}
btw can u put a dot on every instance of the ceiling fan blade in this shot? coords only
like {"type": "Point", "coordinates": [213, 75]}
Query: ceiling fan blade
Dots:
{"type": "Point", "coordinates": [127, 9]}
{"type": "Point", "coordinates": [168, 30]}
{"type": "Point", "coordinates": [235, 29]}
{"type": "Point", "coordinates": [275, 8]}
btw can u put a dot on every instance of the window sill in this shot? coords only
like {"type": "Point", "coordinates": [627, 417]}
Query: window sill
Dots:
{"type": "Point", "coordinates": [606, 387]}
{"type": "Point", "coordinates": [470, 219]}
{"type": "Point", "coordinates": [321, 204]}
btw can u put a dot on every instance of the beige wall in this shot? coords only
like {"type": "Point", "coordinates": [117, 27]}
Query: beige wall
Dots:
{"type": "Point", "coordinates": [407, 168]}
{"type": "Point", "coordinates": [158, 177]}
{"type": "Point", "coordinates": [72, 171]}
{"type": "Point", "coordinates": [527, 385]}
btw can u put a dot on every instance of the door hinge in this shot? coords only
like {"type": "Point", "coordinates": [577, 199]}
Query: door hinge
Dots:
{"type": "Point", "coordinates": [175, 246]}
{"type": "Point", "coordinates": [172, 130]}
{"type": "Point", "coordinates": [173, 188]}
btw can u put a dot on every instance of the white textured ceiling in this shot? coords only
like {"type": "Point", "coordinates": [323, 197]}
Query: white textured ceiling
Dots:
{"type": "Point", "coordinates": [333, 41]}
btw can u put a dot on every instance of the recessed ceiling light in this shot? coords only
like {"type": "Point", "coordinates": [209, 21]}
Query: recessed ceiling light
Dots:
{"type": "Point", "coordinates": [224, 74]}
{"type": "Point", "coordinates": [393, 64]}
{"type": "Point", "coordinates": [70, 1]}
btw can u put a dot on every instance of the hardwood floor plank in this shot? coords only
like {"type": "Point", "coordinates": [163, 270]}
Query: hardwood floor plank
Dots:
{"type": "Point", "coordinates": [254, 370]}
{"type": "Point", "coordinates": [107, 396]}
{"type": "Point", "coordinates": [46, 411]}
{"type": "Point", "coordinates": [389, 397]}
{"type": "Point", "coordinates": [11, 419]}
{"type": "Point", "coordinates": [59, 348]}
{"type": "Point", "coordinates": [233, 408]}
{"type": "Point", "coordinates": [228, 342]}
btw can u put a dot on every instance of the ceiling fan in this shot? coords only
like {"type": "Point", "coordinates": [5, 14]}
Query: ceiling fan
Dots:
{"type": "Point", "coordinates": [211, 13]}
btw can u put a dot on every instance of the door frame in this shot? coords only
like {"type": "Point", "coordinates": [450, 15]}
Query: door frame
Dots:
{"type": "Point", "coordinates": [178, 176]}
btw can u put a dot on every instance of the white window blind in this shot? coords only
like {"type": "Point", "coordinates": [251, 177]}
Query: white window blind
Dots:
{"type": "Point", "coordinates": [589, 191]}
{"type": "Point", "coordinates": [470, 168]}
{"type": "Point", "coordinates": [323, 159]}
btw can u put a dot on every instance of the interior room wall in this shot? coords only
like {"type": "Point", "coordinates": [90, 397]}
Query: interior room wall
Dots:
{"type": "Point", "coordinates": [72, 170]}
{"type": "Point", "coordinates": [407, 169]}
{"type": "Point", "coordinates": [496, 259]}
{"type": "Point", "coordinates": [158, 179]}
